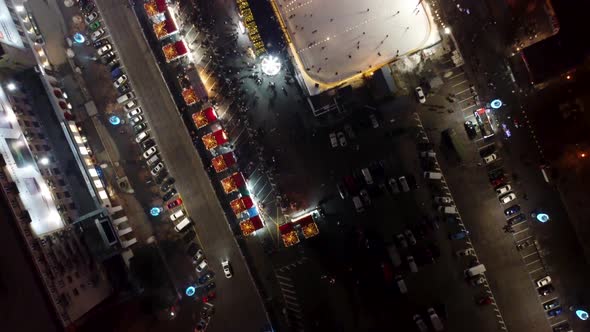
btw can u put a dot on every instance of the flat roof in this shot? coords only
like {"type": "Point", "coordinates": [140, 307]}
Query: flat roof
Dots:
{"type": "Point", "coordinates": [22, 168]}
{"type": "Point", "coordinates": [337, 39]}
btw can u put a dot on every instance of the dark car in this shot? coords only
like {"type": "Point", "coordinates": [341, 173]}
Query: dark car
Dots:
{"type": "Point", "coordinates": [192, 250]}
{"type": "Point", "coordinates": [210, 286]}
{"type": "Point", "coordinates": [169, 194]}
{"type": "Point", "coordinates": [139, 127]}
{"type": "Point", "coordinates": [161, 176]}
{"type": "Point", "coordinates": [555, 312]}
{"type": "Point", "coordinates": [167, 184]}
{"type": "Point", "coordinates": [495, 174]}
{"type": "Point", "coordinates": [100, 43]}
{"type": "Point", "coordinates": [565, 327]}
{"type": "Point", "coordinates": [148, 143]}
{"type": "Point", "coordinates": [517, 220]}
{"type": "Point", "coordinates": [123, 89]}
{"type": "Point", "coordinates": [514, 209]}
{"type": "Point", "coordinates": [545, 290]}
{"type": "Point", "coordinates": [188, 237]}
{"type": "Point", "coordinates": [205, 277]}
{"type": "Point", "coordinates": [551, 304]}
{"type": "Point", "coordinates": [498, 181]}
{"type": "Point", "coordinates": [425, 146]}
{"type": "Point", "coordinates": [470, 129]}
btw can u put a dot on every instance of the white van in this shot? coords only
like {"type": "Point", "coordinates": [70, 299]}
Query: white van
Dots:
{"type": "Point", "coordinates": [358, 204]}
{"type": "Point", "coordinates": [177, 215]}
{"type": "Point", "coordinates": [154, 159]}
{"type": "Point", "coordinates": [182, 224]}
{"type": "Point", "coordinates": [141, 136]}
{"type": "Point", "coordinates": [433, 175]}
{"type": "Point", "coordinates": [394, 255]}
{"type": "Point", "coordinates": [412, 264]}
{"type": "Point", "coordinates": [404, 183]}
{"type": "Point", "coordinates": [401, 284]}
{"type": "Point", "coordinates": [448, 209]}
{"type": "Point", "coordinates": [367, 175]}
{"type": "Point", "coordinates": [123, 98]}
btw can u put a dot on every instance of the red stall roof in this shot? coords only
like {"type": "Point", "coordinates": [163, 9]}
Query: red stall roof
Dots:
{"type": "Point", "coordinates": [286, 228]}
{"type": "Point", "coordinates": [306, 220]}
{"type": "Point", "coordinates": [180, 47]}
{"type": "Point", "coordinates": [229, 158]}
{"type": "Point", "coordinates": [210, 114]}
{"type": "Point", "coordinates": [257, 222]}
{"type": "Point", "coordinates": [248, 203]}
{"type": "Point", "coordinates": [161, 5]}
{"type": "Point", "coordinates": [220, 136]}
{"type": "Point", "coordinates": [239, 179]}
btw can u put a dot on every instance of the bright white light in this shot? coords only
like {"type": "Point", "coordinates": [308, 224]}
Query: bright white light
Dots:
{"type": "Point", "coordinates": [447, 30]}
{"type": "Point", "coordinates": [241, 27]}
{"type": "Point", "coordinates": [11, 86]}
{"type": "Point", "coordinates": [270, 65]}
{"type": "Point", "coordinates": [44, 161]}
{"type": "Point", "coordinates": [19, 8]}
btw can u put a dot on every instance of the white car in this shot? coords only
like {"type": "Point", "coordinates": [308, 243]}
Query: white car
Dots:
{"type": "Point", "coordinates": [177, 215]}
{"type": "Point", "coordinates": [342, 139]}
{"type": "Point", "coordinates": [490, 158]}
{"type": "Point", "coordinates": [200, 254]}
{"type": "Point", "coordinates": [149, 152]}
{"type": "Point", "coordinates": [135, 112]}
{"type": "Point", "coordinates": [507, 198]}
{"type": "Point", "coordinates": [333, 140]}
{"type": "Point", "coordinates": [543, 281]}
{"type": "Point", "coordinates": [90, 17]}
{"type": "Point", "coordinates": [443, 200]}
{"type": "Point", "coordinates": [420, 95]}
{"type": "Point", "coordinates": [131, 105]}
{"type": "Point", "coordinates": [504, 189]}
{"type": "Point", "coordinates": [104, 49]}
{"type": "Point", "coordinates": [141, 136]}
{"type": "Point", "coordinates": [402, 240]}
{"type": "Point", "coordinates": [119, 81]}
{"type": "Point", "coordinates": [365, 196]}
{"type": "Point", "coordinates": [465, 252]}
{"type": "Point", "coordinates": [410, 236]}
{"type": "Point", "coordinates": [157, 169]}
{"type": "Point", "coordinates": [136, 120]}
{"type": "Point", "coordinates": [393, 185]}
{"type": "Point", "coordinates": [202, 265]}
{"type": "Point", "coordinates": [97, 34]}
{"type": "Point", "coordinates": [226, 269]}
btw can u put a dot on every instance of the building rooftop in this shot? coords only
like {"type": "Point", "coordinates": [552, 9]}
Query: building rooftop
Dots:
{"type": "Point", "coordinates": [337, 39]}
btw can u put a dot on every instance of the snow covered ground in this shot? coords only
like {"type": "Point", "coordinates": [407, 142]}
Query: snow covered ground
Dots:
{"type": "Point", "coordinates": [337, 39]}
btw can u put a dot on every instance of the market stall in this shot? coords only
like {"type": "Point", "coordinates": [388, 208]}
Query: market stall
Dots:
{"type": "Point", "coordinates": [288, 234]}
{"type": "Point", "coordinates": [165, 28]}
{"type": "Point", "coordinates": [215, 139]}
{"type": "Point", "coordinates": [233, 182]}
{"type": "Point", "coordinates": [174, 50]}
{"type": "Point", "coordinates": [308, 226]}
{"type": "Point", "coordinates": [222, 162]}
{"type": "Point", "coordinates": [241, 204]}
{"type": "Point", "coordinates": [251, 225]}
{"type": "Point", "coordinates": [204, 117]}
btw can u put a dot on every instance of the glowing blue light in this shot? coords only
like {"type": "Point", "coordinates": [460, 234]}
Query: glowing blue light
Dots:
{"type": "Point", "coordinates": [155, 211]}
{"type": "Point", "coordinates": [582, 314]}
{"type": "Point", "coordinates": [115, 120]}
{"type": "Point", "coordinates": [543, 217]}
{"type": "Point", "coordinates": [190, 291]}
{"type": "Point", "coordinates": [496, 103]}
{"type": "Point", "coordinates": [79, 38]}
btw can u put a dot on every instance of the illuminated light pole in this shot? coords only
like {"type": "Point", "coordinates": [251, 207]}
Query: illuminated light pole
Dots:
{"type": "Point", "coordinates": [270, 65]}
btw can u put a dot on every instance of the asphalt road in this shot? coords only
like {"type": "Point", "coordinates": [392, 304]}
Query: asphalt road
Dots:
{"type": "Point", "coordinates": [238, 306]}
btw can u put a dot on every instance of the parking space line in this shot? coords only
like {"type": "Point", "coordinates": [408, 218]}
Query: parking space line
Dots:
{"type": "Point", "coordinates": [560, 322]}
{"type": "Point", "coordinates": [289, 291]}
{"type": "Point", "coordinates": [454, 85]}
{"type": "Point", "coordinates": [281, 277]}
{"type": "Point", "coordinates": [536, 270]}
{"type": "Point", "coordinates": [468, 107]}
{"type": "Point", "coordinates": [533, 253]}
{"type": "Point", "coordinates": [533, 262]}
{"type": "Point", "coordinates": [526, 238]}
{"type": "Point", "coordinates": [290, 297]}
{"type": "Point", "coordinates": [521, 231]}
{"type": "Point", "coordinates": [460, 74]}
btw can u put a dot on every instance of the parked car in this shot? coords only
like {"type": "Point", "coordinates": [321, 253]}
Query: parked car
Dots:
{"type": "Point", "coordinates": [503, 189]}
{"type": "Point", "coordinates": [94, 25]}
{"type": "Point", "coordinates": [119, 81]}
{"type": "Point", "coordinates": [174, 203]}
{"type": "Point", "coordinates": [551, 304]}
{"type": "Point", "coordinates": [374, 121]}
{"type": "Point", "coordinates": [139, 127]}
{"type": "Point", "coordinates": [365, 197]}
{"type": "Point", "coordinates": [555, 312]}
{"type": "Point", "coordinates": [169, 194]}
{"type": "Point", "coordinates": [130, 105]}
{"type": "Point", "coordinates": [205, 277]}
{"type": "Point", "coordinates": [201, 266]}
{"type": "Point", "coordinates": [470, 129]}
{"type": "Point", "coordinates": [136, 119]}
{"type": "Point", "coordinates": [101, 42]}
{"type": "Point", "coordinates": [564, 327]}
{"type": "Point", "coordinates": [149, 152]}
{"type": "Point", "coordinates": [422, 327]}
{"type": "Point", "coordinates": [341, 190]}
{"type": "Point", "coordinates": [393, 185]}
{"type": "Point", "coordinates": [227, 270]}
{"type": "Point", "coordinates": [141, 136]}
{"type": "Point", "coordinates": [147, 144]}
{"type": "Point", "coordinates": [517, 220]}
{"type": "Point", "coordinates": [490, 158]}
{"type": "Point", "coordinates": [90, 17]}
{"type": "Point", "coordinates": [156, 169]}
{"type": "Point", "coordinates": [135, 112]}
{"type": "Point", "coordinates": [123, 89]}
{"type": "Point", "coordinates": [420, 95]}
{"type": "Point", "coordinates": [349, 131]}
{"type": "Point", "coordinates": [512, 210]}
{"type": "Point", "coordinates": [546, 290]}
{"type": "Point", "coordinates": [507, 198]}
{"type": "Point", "coordinates": [167, 184]}
{"type": "Point", "coordinates": [498, 181]}
{"type": "Point", "coordinates": [104, 49]}
{"type": "Point", "coordinates": [402, 240]}
{"type": "Point", "coordinates": [442, 200]}
{"type": "Point", "coordinates": [199, 255]}
{"type": "Point", "coordinates": [465, 252]}
{"type": "Point", "coordinates": [458, 235]}
{"type": "Point", "coordinates": [410, 236]}
{"type": "Point", "coordinates": [543, 281]}
{"type": "Point", "coordinates": [342, 139]}
{"type": "Point", "coordinates": [97, 34]}
{"type": "Point", "coordinates": [333, 140]}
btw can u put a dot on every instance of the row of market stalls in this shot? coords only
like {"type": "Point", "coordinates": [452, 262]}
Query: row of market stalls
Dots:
{"type": "Point", "coordinates": [165, 26]}
{"type": "Point", "coordinates": [291, 232]}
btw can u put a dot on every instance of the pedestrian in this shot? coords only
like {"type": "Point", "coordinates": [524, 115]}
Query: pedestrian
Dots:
{"type": "Point", "coordinates": [368, 9]}
{"type": "Point", "coordinates": [379, 53]}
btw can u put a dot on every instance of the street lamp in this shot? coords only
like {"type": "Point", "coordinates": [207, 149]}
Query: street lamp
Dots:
{"type": "Point", "coordinates": [271, 65]}
{"type": "Point", "coordinates": [44, 161]}
{"type": "Point", "coordinates": [11, 86]}
{"type": "Point", "coordinates": [19, 8]}
{"type": "Point", "coordinates": [447, 30]}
